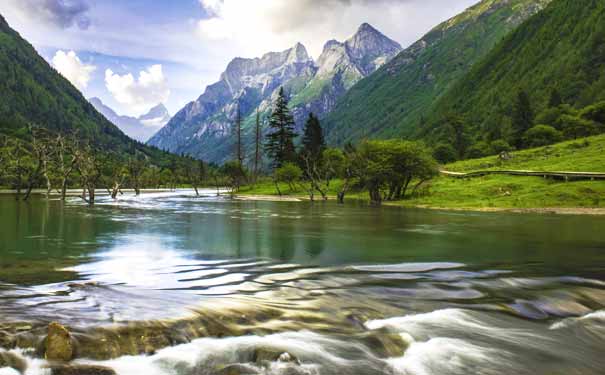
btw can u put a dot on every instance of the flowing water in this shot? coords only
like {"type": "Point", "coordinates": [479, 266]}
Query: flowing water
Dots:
{"type": "Point", "coordinates": [169, 283]}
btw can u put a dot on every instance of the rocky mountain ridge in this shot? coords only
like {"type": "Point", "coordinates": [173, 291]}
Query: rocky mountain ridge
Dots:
{"type": "Point", "coordinates": [203, 127]}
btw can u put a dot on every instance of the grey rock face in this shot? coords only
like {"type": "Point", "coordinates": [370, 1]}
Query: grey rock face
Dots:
{"type": "Point", "coordinates": [203, 127]}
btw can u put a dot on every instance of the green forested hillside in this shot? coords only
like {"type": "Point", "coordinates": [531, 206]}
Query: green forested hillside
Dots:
{"type": "Point", "coordinates": [548, 74]}
{"type": "Point", "coordinates": [392, 101]}
{"type": "Point", "coordinates": [32, 93]}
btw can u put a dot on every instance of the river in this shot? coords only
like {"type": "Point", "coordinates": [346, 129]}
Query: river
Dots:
{"type": "Point", "coordinates": [169, 283]}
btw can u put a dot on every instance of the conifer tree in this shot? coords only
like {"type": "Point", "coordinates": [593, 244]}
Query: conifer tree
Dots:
{"type": "Point", "coordinates": [555, 99]}
{"type": "Point", "coordinates": [257, 140]}
{"type": "Point", "coordinates": [279, 143]}
{"type": "Point", "coordinates": [522, 116]}
{"type": "Point", "coordinates": [313, 139]}
{"type": "Point", "coordinates": [239, 154]}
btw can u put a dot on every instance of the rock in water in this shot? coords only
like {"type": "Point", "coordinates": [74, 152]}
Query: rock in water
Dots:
{"type": "Point", "coordinates": [59, 345]}
{"type": "Point", "coordinates": [81, 370]}
{"type": "Point", "coordinates": [13, 361]}
{"type": "Point", "coordinates": [273, 355]}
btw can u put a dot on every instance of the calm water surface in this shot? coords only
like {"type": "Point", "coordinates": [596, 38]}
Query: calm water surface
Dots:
{"type": "Point", "coordinates": [468, 293]}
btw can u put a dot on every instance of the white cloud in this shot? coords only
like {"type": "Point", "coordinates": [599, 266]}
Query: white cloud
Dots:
{"type": "Point", "coordinates": [139, 94]}
{"type": "Point", "coordinates": [255, 27]}
{"type": "Point", "coordinates": [72, 68]}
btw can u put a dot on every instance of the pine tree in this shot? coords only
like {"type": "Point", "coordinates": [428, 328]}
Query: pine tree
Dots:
{"type": "Point", "coordinates": [257, 137]}
{"type": "Point", "coordinates": [313, 139]}
{"type": "Point", "coordinates": [522, 117]}
{"type": "Point", "coordinates": [239, 154]}
{"type": "Point", "coordinates": [279, 144]}
{"type": "Point", "coordinates": [555, 99]}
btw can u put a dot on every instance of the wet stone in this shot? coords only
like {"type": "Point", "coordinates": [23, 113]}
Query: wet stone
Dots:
{"type": "Point", "coordinates": [237, 369]}
{"type": "Point", "coordinates": [384, 344]}
{"type": "Point", "coordinates": [268, 354]}
{"type": "Point", "coordinates": [13, 361]}
{"type": "Point", "coordinates": [59, 345]}
{"type": "Point", "coordinates": [81, 370]}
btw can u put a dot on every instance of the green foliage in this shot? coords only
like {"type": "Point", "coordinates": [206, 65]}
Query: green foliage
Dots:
{"type": "Point", "coordinates": [561, 49]}
{"type": "Point", "coordinates": [498, 146]}
{"type": "Point", "coordinates": [444, 153]}
{"type": "Point", "coordinates": [32, 93]}
{"type": "Point", "coordinates": [594, 112]}
{"type": "Point", "coordinates": [235, 173]}
{"type": "Point", "coordinates": [522, 117]}
{"type": "Point", "coordinates": [541, 135]}
{"type": "Point", "coordinates": [289, 173]}
{"type": "Point", "coordinates": [392, 101]}
{"type": "Point", "coordinates": [577, 127]}
{"type": "Point", "coordinates": [313, 142]}
{"type": "Point", "coordinates": [386, 168]}
{"type": "Point", "coordinates": [279, 144]}
{"type": "Point", "coordinates": [478, 150]}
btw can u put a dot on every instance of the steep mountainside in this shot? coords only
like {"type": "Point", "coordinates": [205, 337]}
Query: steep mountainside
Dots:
{"type": "Point", "coordinates": [33, 93]}
{"type": "Point", "coordinates": [392, 101]}
{"type": "Point", "coordinates": [561, 49]}
{"type": "Point", "coordinates": [203, 127]}
{"type": "Point", "coordinates": [141, 128]}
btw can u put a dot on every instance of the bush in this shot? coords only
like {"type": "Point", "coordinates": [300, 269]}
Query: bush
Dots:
{"type": "Point", "coordinates": [500, 145]}
{"type": "Point", "coordinates": [541, 135]}
{"type": "Point", "coordinates": [289, 173]}
{"type": "Point", "coordinates": [444, 153]}
{"type": "Point", "coordinates": [595, 112]}
{"type": "Point", "coordinates": [577, 127]}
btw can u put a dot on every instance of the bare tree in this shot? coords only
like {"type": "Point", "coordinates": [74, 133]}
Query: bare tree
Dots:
{"type": "Point", "coordinates": [257, 140]}
{"type": "Point", "coordinates": [239, 152]}
{"type": "Point", "coordinates": [136, 167]}
{"type": "Point", "coordinates": [89, 167]}
{"type": "Point", "coordinates": [41, 155]}
{"type": "Point", "coordinates": [196, 174]}
{"type": "Point", "coordinates": [65, 160]}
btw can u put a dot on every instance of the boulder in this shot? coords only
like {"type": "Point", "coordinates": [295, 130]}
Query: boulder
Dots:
{"type": "Point", "coordinates": [59, 344]}
{"type": "Point", "coordinates": [272, 355]}
{"type": "Point", "coordinates": [237, 369]}
{"type": "Point", "coordinates": [384, 344]}
{"type": "Point", "coordinates": [81, 370]}
{"type": "Point", "coordinates": [14, 361]}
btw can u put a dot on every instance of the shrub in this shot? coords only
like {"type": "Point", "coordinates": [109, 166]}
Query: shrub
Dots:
{"type": "Point", "coordinates": [289, 173]}
{"type": "Point", "coordinates": [444, 153]}
{"type": "Point", "coordinates": [541, 135]}
{"type": "Point", "coordinates": [500, 145]}
{"type": "Point", "coordinates": [478, 150]}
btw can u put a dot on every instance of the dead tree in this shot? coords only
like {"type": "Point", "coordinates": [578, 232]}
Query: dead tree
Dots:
{"type": "Point", "coordinates": [89, 168]}
{"type": "Point", "coordinates": [257, 140]}
{"type": "Point", "coordinates": [41, 155]}
{"type": "Point", "coordinates": [65, 156]}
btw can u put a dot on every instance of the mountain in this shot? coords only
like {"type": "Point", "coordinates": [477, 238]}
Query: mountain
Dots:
{"type": "Point", "coordinates": [141, 128]}
{"type": "Point", "coordinates": [392, 101]}
{"type": "Point", "coordinates": [203, 128]}
{"type": "Point", "coordinates": [561, 49]}
{"type": "Point", "coordinates": [32, 92]}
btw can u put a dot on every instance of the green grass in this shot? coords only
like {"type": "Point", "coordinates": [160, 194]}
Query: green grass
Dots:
{"type": "Point", "coordinates": [584, 155]}
{"type": "Point", "coordinates": [498, 191]}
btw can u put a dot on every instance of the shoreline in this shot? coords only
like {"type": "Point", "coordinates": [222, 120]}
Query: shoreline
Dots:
{"type": "Point", "coordinates": [591, 211]}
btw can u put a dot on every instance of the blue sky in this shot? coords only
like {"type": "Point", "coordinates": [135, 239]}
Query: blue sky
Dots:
{"type": "Point", "coordinates": [134, 54]}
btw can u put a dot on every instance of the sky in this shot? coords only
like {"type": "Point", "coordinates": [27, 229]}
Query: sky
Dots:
{"type": "Point", "coordinates": [134, 54]}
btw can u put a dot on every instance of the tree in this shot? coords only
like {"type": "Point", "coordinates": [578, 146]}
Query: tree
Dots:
{"type": "Point", "coordinates": [541, 135]}
{"type": "Point", "coordinates": [196, 174]}
{"type": "Point", "coordinates": [257, 140]}
{"type": "Point", "coordinates": [522, 117]}
{"type": "Point", "coordinates": [498, 146]}
{"type": "Point", "coordinates": [444, 153]}
{"type": "Point", "coordinates": [89, 168]}
{"type": "Point", "coordinates": [457, 133]}
{"type": "Point", "coordinates": [65, 160]}
{"type": "Point", "coordinates": [555, 99]}
{"type": "Point", "coordinates": [390, 166]}
{"type": "Point", "coordinates": [595, 112]}
{"type": "Point", "coordinates": [279, 143]}
{"type": "Point", "coordinates": [136, 166]}
{"type": "Point", "coordinates": [239, 153]}
{"type": "Point", "coordinates": [41, 152]}
{"type": "Point", "coordinates": [478, 150]}
{"type": "Point", "coordinates": [577, 127]}
{"type": "Point", "coordinates": [288, 173]}
{"type": "Point", "coordinates": [313, 142]}
{"type": "Point", "coordinates": [235, 173]}
{"type": "Point", "coordinates": [320, 171]}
